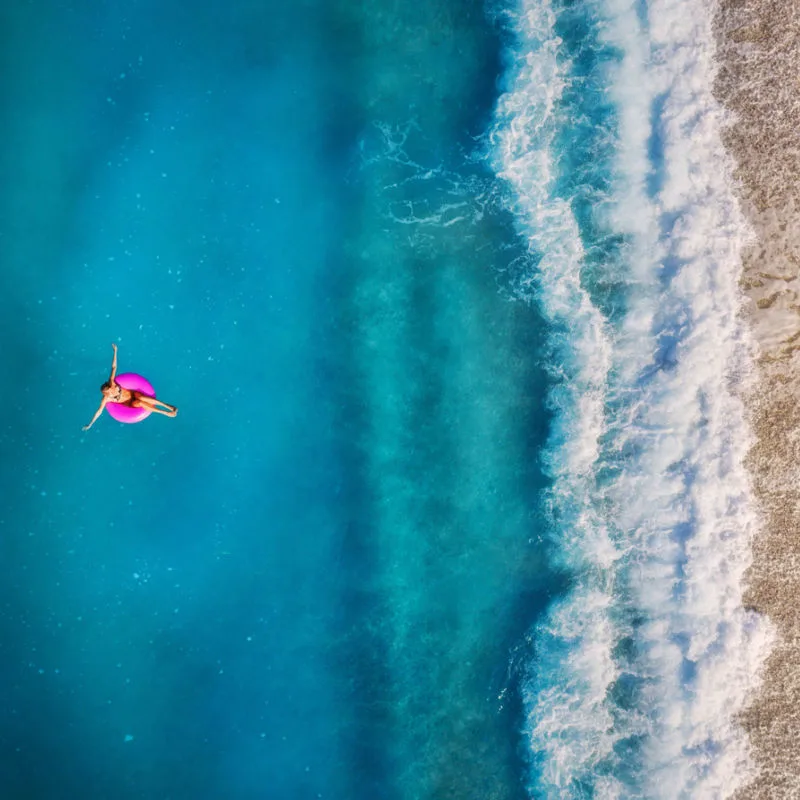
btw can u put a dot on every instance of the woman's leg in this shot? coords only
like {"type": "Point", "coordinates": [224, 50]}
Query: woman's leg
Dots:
{"type": "Point", "coordinates": [152, 404]}
{"type": "Point", "coordinates": [169, 411]}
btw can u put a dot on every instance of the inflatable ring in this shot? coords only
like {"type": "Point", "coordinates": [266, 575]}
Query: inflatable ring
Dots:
{"type": "Point", "coordinates": [135, 383]}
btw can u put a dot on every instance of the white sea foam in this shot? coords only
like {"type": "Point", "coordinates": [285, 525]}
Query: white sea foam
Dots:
{"type": "Point", "coordinates": [661, 550]}
{"type": "Point", "coordinates": [684, 504]}
{"type": "Point", "coordinates": [569, 718]}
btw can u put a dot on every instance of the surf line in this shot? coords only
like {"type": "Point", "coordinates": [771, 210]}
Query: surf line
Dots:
{"type": "Point", "coordinates": [567, 686]}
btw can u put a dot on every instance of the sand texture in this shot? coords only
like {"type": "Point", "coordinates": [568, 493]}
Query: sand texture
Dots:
{"type": "Point", "coordinates": [759, 83]}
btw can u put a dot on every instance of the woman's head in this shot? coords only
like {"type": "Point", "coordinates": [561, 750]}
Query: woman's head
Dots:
{"type": "Point", "coordinates": [112, 391]}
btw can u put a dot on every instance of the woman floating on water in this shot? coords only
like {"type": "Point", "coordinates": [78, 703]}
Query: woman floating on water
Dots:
{"type": "Point", "coordinates": [130, 398]}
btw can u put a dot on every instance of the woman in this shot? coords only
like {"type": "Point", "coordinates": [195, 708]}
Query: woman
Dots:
{"type": "Point", "coordinates": [114, 393]}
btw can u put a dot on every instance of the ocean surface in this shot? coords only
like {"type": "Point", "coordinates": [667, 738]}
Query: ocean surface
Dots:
{"type": "Point", "coordinates": [455, 504]}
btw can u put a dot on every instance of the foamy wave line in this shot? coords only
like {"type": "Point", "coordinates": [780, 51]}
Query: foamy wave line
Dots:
{"type": "Point", "coordinates": [683, 504]}
{"type": "Point", "coordinates": [566, 699]}
{"type": "Point", "coordinates": [642, 669]}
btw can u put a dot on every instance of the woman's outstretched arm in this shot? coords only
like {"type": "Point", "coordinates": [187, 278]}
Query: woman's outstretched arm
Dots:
{"type": "Point", "coordinates": [113, 369]}
{"type": "Point", "coordinates": [97, 413]}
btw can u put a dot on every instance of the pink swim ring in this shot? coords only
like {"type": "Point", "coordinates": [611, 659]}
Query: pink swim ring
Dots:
{"type": "Point", "coordinates": [135, 383]}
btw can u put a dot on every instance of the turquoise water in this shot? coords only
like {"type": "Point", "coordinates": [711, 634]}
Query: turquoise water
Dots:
{"type": "Point", "coordinates": [316, 580]}
{"type": "Point", "coordinates": [454, 506]}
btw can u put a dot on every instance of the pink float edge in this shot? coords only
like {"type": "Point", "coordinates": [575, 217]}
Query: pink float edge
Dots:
{"type": "Point", "coordinates": [134, 382]}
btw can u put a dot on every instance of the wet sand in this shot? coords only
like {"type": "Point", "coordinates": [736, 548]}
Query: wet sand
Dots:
{"type": "Point", "coordinates": [759, 82]}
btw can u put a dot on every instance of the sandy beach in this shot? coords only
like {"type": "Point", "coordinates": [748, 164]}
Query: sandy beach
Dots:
{"type": "Point", "coordinates": [759, 54]}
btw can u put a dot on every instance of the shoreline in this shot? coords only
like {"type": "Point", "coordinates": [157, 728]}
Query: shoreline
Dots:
{"type": "Point", "coordinates": [758, 44]}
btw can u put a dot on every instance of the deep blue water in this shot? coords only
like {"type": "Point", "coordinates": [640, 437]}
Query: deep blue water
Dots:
{"type": "Point", "coordinates": [316, 581]}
